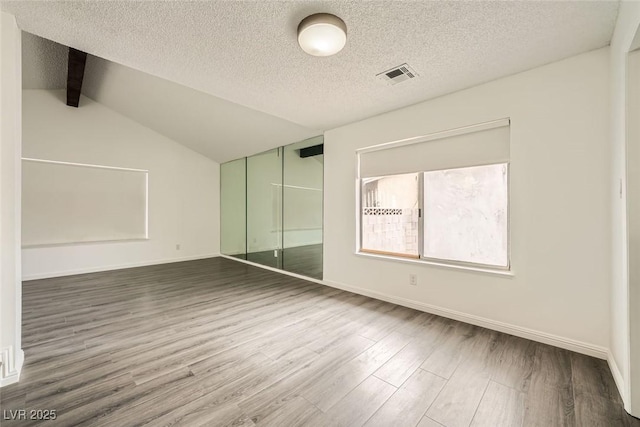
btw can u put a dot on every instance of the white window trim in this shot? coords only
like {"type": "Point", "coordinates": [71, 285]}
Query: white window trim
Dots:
{"type": "Point", "coordinates": [416, 261]}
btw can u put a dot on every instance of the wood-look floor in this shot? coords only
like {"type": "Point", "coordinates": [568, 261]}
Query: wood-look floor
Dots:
{"type": "Point", "coordinates": [216, 342]}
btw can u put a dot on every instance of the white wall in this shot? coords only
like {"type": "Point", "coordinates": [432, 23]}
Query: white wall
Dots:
{"type": "Point", "coordinates": [625, 31]}
{"type": "Point", "coordinates": [560, 216]}
{"type": "Point", "coordinates": [633, 199]}
{"type": "Point", "coordinates": [220, 129]}
{"type": "Point", "coordinates": [11, 353]}
{"type": "Point", "coordinates": [44, 63]}
{"type": "Point", "coordinates": [183, 185]}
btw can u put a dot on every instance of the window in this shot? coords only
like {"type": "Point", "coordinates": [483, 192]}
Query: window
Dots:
{"type": "Point", "coordinates": [465, 215]}
{"type": "Point", "coordinates": [390, 215]}
{"type": "Point", "coordinates": [426, 198]}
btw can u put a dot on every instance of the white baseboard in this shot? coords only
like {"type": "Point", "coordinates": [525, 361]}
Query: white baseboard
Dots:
{"type": "Point", "coordinates": [11, 366]}
{"type": "Point", "coordinates": [112, 267]}
{"type": "Point", "coordinates": [531, 334]}
{"type": "Point", "coordinates": [618, 378]}
{"type": "Point", "coordinates": [519, 331]}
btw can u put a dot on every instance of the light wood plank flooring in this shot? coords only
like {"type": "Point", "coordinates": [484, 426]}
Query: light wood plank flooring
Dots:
{"type": "Point", "coordinates": [216, 342]}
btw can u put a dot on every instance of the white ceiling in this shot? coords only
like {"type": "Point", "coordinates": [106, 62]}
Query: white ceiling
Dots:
{"type": "Point", "coordinates": [214, 127]}
{"type": "Point", "coordinates": [246, 51]}
{"type": "Point", "coordinates": [219, 129]}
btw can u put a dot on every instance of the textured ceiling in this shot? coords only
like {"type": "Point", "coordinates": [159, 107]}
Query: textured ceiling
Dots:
{"type": "Point", "coordinates": [246, 51]}
{"type": "Point", "coordinates": [218, 129]}
{"type": "Point", "coordinates": [214, 127]}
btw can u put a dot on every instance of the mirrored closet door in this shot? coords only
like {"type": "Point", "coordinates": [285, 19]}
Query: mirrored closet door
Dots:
{"type": "Point", "coordinates": [271, 207]}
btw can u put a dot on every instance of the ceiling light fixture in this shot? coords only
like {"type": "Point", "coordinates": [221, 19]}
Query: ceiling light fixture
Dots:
{"type": "Point", "coordinates": [322, 34]}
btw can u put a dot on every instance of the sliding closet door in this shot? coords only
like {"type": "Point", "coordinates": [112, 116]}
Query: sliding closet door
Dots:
{"type": "Point", "coordinates": [302, 207]}
{"type": "Point", "coordinates": [233, 208]}
{"type": "Point", "coordinates": [264, 208]}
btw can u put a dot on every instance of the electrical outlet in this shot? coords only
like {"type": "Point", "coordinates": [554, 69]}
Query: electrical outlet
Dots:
{"type": "Point", "coordinates": [413, 280]}
{"type": "Point", "coordinates": [177, 247]}
{"type": "Point", "coordinates": [275, 253]}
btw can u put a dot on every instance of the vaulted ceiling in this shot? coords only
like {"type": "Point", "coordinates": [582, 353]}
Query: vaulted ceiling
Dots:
{"type": "Point", "coordinates": [245, 52]}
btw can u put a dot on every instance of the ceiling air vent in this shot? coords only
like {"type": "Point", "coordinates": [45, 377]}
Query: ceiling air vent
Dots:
{"type": "Point", "coordinates": [397, 74]}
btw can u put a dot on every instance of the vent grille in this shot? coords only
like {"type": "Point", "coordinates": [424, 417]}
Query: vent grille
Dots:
{"type": "Point", "coordinates": [397, 74]}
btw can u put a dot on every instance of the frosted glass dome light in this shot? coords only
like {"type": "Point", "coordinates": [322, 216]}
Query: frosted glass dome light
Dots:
{"type": "Point", "coordinates": [322, 34]}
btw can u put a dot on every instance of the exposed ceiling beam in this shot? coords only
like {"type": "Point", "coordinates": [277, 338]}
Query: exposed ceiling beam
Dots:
{"type": "Point", "coordinates": [75, 74]}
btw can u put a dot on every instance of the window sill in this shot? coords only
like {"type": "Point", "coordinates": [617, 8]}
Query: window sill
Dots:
{"type": "Point", "coordinates": [502, 273]}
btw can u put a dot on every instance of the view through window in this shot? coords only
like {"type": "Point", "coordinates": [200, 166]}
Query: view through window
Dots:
{"type": "Point", "coordinates": [459, 216]}
{"type": "Point", "coordinates": [390, 215]}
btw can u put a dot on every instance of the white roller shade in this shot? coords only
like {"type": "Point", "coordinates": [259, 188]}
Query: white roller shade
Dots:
{"type": "Point", "coordinates": [474, 145]}
{"type": "Point", "coordinates": [74, 203]}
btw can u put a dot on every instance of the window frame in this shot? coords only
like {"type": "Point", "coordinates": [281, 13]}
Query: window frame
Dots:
{"type": "Point", "coordinates": [441, 262]}
{"type": "Point", "coordinates": [421, 218]}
